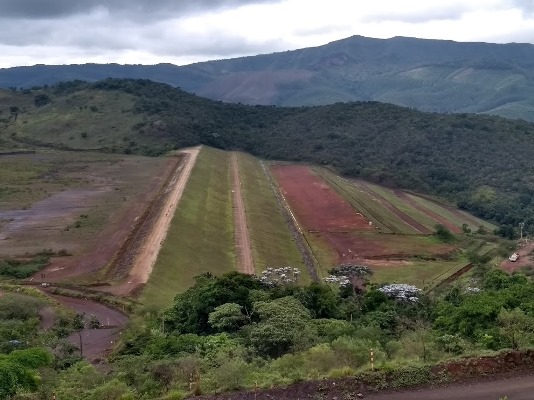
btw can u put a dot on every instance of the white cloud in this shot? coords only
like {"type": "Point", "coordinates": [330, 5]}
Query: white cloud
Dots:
{"type": "Point", "coordinates": [76, 31]}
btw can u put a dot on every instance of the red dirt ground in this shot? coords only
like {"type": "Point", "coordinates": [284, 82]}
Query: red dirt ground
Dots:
{"type": "Point", "coordinates": [321, 211]}
{"type": "Point", "coordinates": [526, 257]}
{"type": "Point", "coordinates": [316, 205]}
{"type": "Point", "coordinates": [325, 214]}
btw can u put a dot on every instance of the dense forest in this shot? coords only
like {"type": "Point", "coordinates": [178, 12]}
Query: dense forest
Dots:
{"type": "Point", "coordinates": [481, 162]}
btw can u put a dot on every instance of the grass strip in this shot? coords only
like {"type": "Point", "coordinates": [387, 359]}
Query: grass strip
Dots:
{"type": "Point", "coordinates": [272, 243]}
{"type": "Point", "coordinates": [201, 236]}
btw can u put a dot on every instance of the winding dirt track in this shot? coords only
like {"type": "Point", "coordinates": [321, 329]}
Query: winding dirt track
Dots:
{"type": "Point", "coordinates": [96, 342]}
{"type": "Point", "coordinates": [146, 256]}
{"type": "Point", "coordinates": [245, 262]}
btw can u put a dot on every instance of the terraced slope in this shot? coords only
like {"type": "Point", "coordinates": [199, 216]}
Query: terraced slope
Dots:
{"type": "Point", "coordinates": [349, 221]}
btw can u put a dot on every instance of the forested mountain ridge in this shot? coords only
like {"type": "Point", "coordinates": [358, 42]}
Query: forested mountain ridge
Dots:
{"type": "Point", "coordinates": [430, 75]}
{"type": "Point", "coordinates": [481, 162]}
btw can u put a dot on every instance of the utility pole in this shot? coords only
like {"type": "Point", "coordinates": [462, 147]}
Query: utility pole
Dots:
{"type": "Point", "coordinates": [521, 226]}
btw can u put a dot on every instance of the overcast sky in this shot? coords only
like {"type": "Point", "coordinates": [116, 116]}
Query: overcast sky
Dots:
{"type": "Point", "coordinates": [187, 31]}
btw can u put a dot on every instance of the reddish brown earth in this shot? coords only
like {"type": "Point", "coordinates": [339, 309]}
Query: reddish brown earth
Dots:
{"type": "Point", "coordinates": [316, 205]}
{"type": "Point", "coordinates": [438, 218]}
{"type": "Point", "coordinates": [322, 211]}
{"type": "Point", "coordinates": [245, 261]}
{"type": "Point", "coordinates": [526, 257]}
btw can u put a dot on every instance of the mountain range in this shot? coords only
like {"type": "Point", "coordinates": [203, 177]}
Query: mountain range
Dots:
{"type": "Point", "coordinates": [429, 75]}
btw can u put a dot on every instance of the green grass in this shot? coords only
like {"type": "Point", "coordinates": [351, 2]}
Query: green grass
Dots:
{"type": "Point", "coordinates": [417, 215]}
{"type": "Point", "coordinates": [322, 252]}
{"type": "Point", "coordinates": [422, 274]}
{"type": "Point", "coordinates": [201, 236]}
{"type": "Point", "coordinates": [86, 119]}
{"type": "Point", "coordinates": [455, 219]}
{"type": "Point", "coordinates": [271, 241]}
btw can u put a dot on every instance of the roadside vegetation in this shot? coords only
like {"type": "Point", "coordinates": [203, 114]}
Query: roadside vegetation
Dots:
{"type": "Point", "coordinates": [233, 332]}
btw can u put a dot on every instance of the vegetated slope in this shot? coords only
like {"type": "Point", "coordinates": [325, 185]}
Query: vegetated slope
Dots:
{"type": "Point", "coordinates": [430, 75]}
{"type": "Point", "coordinates": [272, 242]}
{"type": "Point", "coordinates": [200, 238]}
{"type": "Point", "coordinates": [481, 162]}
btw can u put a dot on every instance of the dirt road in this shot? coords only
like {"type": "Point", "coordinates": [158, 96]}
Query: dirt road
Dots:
{"type": "Point", "coordinates": [146, 256]}
{"type": "Point", "coordinates": [514, 385]}
{"type": "Point", "coordinates": [526, 257]}
{"type": "Point", "coordinates": [514, 388]}
{"type": "Point", "coordinates": [245, 262]}
{"type": "Point", "coordinates": [96, 342]}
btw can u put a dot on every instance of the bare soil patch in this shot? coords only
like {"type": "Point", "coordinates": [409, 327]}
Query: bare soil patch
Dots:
{"type": "Point", "coordinates": [320, 210]}
{"type": "Point", "coordinates": [242, 237]}
{"type": "Point", "coordinates": [326, 215]}
{"type": "Point", "coordinates": [526, 258]}
{"type": "Point", "coordinates": [316, 205]}
{"type": "Point", "coordinates": [44, 221]}
{"type": "Point", "coordinates": [94, 255]}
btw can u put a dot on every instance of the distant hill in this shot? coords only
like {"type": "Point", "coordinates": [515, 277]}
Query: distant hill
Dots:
{"type": "Point", "coordinates": [430, 75]}
{"type": "Point", "coordinates": [484, 163]}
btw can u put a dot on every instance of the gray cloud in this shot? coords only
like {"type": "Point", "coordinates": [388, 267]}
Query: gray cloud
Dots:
{"type": "Point", "coordinates": [526, 6]}
{"type": "Point", "coordinates": [52, 9]}
{"type": "Point", "coordinates": [435, 14]}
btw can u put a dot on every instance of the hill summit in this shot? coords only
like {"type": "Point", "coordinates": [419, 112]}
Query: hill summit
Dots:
{"type": "Point", "coordinates": [430, 75]}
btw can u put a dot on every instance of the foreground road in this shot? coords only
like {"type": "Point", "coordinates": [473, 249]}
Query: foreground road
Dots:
{"type": "Point", "coordinates": [513, 387]}
{"type": "Point", "coordinates": [96, 342]}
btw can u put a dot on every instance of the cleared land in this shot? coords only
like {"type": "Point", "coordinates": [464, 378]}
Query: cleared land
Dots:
{"type": "Point", "coordinates": [335, 215]}
{"type": "Point", "coordinates": [201, 235]}
{"type": "Point", "coordinates": [272, 242]}
{"type": "Point", "coordinates": [84, 204]}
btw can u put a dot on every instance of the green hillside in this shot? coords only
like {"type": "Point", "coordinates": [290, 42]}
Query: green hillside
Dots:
{"type": "Point", "coordinates": [480, 162]}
